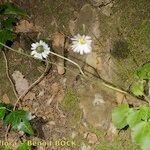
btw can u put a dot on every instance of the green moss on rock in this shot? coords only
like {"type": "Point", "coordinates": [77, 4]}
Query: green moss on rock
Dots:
{"type": "Point", "coordinates": [70, 105]}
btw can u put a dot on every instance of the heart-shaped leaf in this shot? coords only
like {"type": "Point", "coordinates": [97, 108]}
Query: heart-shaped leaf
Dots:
{"type": "Point", "coordinates": [119, 116]}
{"type": "Point", "coordinates": [20, 120]}
{"type": "Point", "coordinates": [140, 132]}
{"type": "Point", "coordinates": [24, 146]}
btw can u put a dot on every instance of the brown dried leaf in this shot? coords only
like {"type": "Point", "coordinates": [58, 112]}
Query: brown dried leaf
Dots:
{"type": "Point", "coordinates": [94, 60]}
{"type": "Point", "coordinates": [92, 138]}
{"type": "Point", "coordinates": [60, 68]}
{"type": "Point", "coordinates": [119, 97]}
{"type": "Point", "coordinates": [111, 132]}
{"type": "Point", "coordinates": [55, 89]}
{"type": "Point", "coordinates": [30, 96]}
{"type": "Point", "coordinates": [21, 83]}
{"type": "Point", "coordinates": [58, 40]}
{"type": "Point", "coordinates": [26, 26]}
{"type": "Point", "coordinates": [6, 99]}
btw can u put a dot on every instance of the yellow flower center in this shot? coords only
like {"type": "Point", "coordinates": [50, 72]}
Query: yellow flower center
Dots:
{"type": "Point", "coordinates": [82, 41]}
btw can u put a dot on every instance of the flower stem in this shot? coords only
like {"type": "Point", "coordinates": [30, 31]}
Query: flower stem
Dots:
{"type": "Point", "coordinates": [44, 60]}
{"type": "Point", "coordinates": [69, 61]}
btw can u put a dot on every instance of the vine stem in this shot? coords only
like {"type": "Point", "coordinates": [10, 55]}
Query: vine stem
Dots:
{"type": "Point", "coordinates": [69, 61]}
{"type": "Point", "coordinates": [8, 76]}
{"type": "Point", "coordinates": [13, 87]}
{"type": "Point", "coordinates": [33, 84]}
{"type": "Point", "coordinates": [26, 92]}
{"type": "Point", "coordinates": [43, 60]}
{"type": "Point", "coordinates": [105, 83]}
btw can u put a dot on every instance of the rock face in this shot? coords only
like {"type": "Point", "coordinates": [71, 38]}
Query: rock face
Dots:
{"type": "Point", "coordinates": [120, 31]}
{"type": "Point", "coordinates": [96, 105]}
{"type": "Point", "coordinates": [100, 2]}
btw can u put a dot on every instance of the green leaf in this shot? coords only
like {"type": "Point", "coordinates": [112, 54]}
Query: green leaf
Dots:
{"type": "Point", "coordinates": [137, 89]}
{"type": "Point", "coordinates": [8, 24]}
{"type": "Point", "coordinates": [11, 9]}
{"type": "Point", "coordinates": [144, 71]}
{"type": "Point", "coordinates": [26, 127]}
{"type": "Point", "coordinates": [19, 120]}
{"type": "Point", "coordinates": [140, 132]}
{"type": "Point", "coordinates": [145, 143]}
{"type": "Point", "coordinates": [24, 146]}
{"type": "Point", "coordinates": [5, 148]}
{"type": "Point", "coordinates": [119, 116]}
{"type": "Point", "coordinates": [136, 116]}
{"type": "Point", "coordinates": [133, 118]}
{"type": "Point", "coordinates": [4, 110]}
{"type": "Point", "coordinates": [6, 35]}
{"type": "Point", "coordinates": [145, 113]}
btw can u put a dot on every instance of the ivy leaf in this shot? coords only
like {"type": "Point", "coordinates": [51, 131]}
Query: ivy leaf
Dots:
{"type": "Point", "coordinates": [119, 116]}
{"type": "Point", "coordinates": [136, 116]}
{"type": "Point", "coordinates": [4, 110]}
{"type": "Point", "coordinates": [6, 35]}
{"type": "Point", "coordinates": [144, 72]}
{"type": "Point", "coordinates": [19, 120]}
{"type": "Point", "coordinates": [5, 148]}
{"type": "Point", "coordinates": [8, 23]}
{"type": "Point", "coordinates": [24, 146]}
{"type": "Point", "coordinates": [145, 113]}
{"type": "Point", "coordinates": [140, 132]}
{"type": "Point", "coordinates": [137, 89]}
{"type": "Point", "coordinates": [26, 127]}
{"type": "Point", "coordinates": [11, 9]}
{"type": "Point", "coordinates": [133, 118]}
{"type": "Point", "coordinates": [145, 143]}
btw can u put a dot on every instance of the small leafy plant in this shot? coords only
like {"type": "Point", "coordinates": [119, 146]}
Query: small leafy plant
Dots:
{"type": "Point", "coordinates": [9, 14]}
{"type": "Point", "coordinates": [23, 146]}
{"type": "Point", "coordinates": [138, 119]}
{"type": "Point", "coordinates": [18, 119]}
{"type": "Point", "coordinates": [142, 76]}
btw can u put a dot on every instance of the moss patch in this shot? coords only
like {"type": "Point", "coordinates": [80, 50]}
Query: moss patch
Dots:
{"type": "Point", "coordinates": [70, 105]}
{"type": "Point", "coordinates": [129, 23]}
{"type": "Point", "coordinates": [121, 142]}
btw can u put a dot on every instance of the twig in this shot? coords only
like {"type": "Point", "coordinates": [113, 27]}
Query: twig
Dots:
{"type": "Point", "coordinates": [105, 83]}
{"type": "Point", "coordinates": [43, 60]}
{"type": "Point", "coordinates": [26, 92]}
{"type": "Point", "coordinates": [6, 133]}
{"type": "Point", "coordinates": [33, 84]}
{"type": "Point", "coordinates": [8, 76]}
{"type": "Point", "coordinates": [13, 87]}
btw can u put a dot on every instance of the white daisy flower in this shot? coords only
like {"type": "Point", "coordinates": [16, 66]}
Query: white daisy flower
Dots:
{"type": "Point", "coordinates": [40, 49]}
{"type": "Point", "coordinates": [81, 44]}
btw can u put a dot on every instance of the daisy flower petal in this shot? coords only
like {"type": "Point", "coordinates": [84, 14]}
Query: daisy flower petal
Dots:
{"type": "Point", "coordinates": [40, 49]}
{"type": "Point", "coordinates": [81, 44]}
